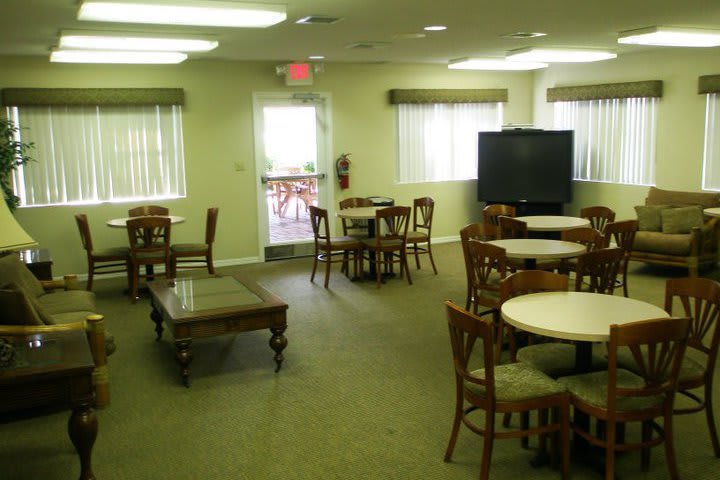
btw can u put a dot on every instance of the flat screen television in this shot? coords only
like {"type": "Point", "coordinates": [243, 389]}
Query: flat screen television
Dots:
{"type": "Point", "coordinates": [533, 166]}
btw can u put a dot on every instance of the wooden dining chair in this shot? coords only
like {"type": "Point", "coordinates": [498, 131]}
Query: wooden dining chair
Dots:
{"type": "Point", "coordinates": [617, 396]}
{"type": "Point", "coordinates": [419, 238]}
{"type": "Point", "coordinates": [492, 212]}
{"type": "Point", "coordinates": [352, 227]}
{"type": "Point", "coordinates": [196, 255]}
{"type": "Point", "coordinates": [101, 260]}
{"type": "Point", "coordinates": [500, 389]}
{"type": "Point", "coordinates": [474, 231]}
{"type": "Point", "coordinates": [622, 233]}
{"type": "Point", "coordinates": [588, 236]}
{"type": "Point", "coordinates": [486, 266]}
{"type": "Point", "coordinates": [149, 238]}
{"type": "Point", "coordinates": [145, 210]}
{"type": "Point", "coordinates": [332, 249]}
{"type": "Point", "coordinates": [599, 216]}
{"type": "Point", "coordinates": [597, 271]}
{"type": "Point", "coordinates": [698, 299]}
{"type": "Point", "coordinates": [510, 227]}
{"type": "Point", "coordinates": [389, 246]}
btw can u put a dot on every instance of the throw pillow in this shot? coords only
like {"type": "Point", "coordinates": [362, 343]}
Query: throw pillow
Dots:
{"type": "Point", "coordinates": [16, 307]}
{"type": "Point", "coordinates": [14, 270]}
{"type": "Point", "coordinates": [649, 218]}
{"type": "Point", "coordinates": [681, 220]}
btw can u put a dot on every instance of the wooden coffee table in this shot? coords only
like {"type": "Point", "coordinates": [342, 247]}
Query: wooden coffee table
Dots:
{"type": "Point", "coordinates": [211, 306]}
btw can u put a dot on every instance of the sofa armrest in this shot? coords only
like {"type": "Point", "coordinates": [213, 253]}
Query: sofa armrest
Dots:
{"type": "Point", "coordinates": [69, 282]}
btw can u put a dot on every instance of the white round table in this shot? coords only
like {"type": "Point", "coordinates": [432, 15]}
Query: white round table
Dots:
{"type": "Point", "coordinates": [553, 223]}
{"type": "Point", "coordinates": [580, 316]}
{"type": "Point", "coordinates": [122, 222]}
{"type": "Point", "coordinates": [359, 213]}
{"type": "Point", "coordinates": [532, 249]}
{"type": "Point", "coordinates": [712, 212]}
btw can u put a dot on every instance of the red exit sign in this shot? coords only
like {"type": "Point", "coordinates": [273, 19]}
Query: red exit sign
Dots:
{"type": "Point", "coordinates": [299, 74]}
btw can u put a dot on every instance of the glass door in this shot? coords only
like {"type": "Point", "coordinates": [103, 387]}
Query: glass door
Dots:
{"type": "Point", "coordinates": [291, 155]}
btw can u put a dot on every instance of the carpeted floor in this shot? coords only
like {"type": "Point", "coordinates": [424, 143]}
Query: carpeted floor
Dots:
{"type": "Point", "coordinates": [366, 392]}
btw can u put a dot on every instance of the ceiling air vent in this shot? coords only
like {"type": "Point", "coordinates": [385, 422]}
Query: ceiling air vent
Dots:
{"type": "Point", "coordinates": [318, 20]}
{"type": "Point", "coordinates": [367, 45]}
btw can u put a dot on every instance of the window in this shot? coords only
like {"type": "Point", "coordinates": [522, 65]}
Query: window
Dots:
{"type": "Point", "coordinates": [87, 153]}
{"type": "Point", "coordinates": [614, 138]}
{"type": "Point", "coordinates": [711, 157]}
{"type": "Point", "coordinates": [438, 141]}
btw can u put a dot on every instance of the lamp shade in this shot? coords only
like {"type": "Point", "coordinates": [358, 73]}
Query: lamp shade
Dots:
{"type": "Point", "coordinates": [12, 235]}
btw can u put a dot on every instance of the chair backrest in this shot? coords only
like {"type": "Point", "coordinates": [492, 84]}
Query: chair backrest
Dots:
{"type": "Point", "coordinates": [532, 281]}
{"type": "Point", "coordinates": [423, 214]}
{"type": "Point", "coordinates": [148, 210]}
{"type": "Point", "coordinates": [596, 271]}
{"type": "Point", "coordinates": [321, 229]}
{"type": "Point", "coordinates": [623, 233]}
{"type": "Point", "coordinates": [591, 237]}
{"type": "Point", "coordinates": [492, 212]}
{"type": "Point", "coordinates": [465, 331]}
{"type": "Point", "coordinates": [699, 299]}
{"type": "Point", "coordinates": [599, 216]}
{"type": "Point", "coordinates": [483, 260]}
{"type": "Point", "coordinates": [149, 235]}
{"type": "Point", "coordinates": [657, 346]}
{"type": "Point", "coordinates": [84, 227]}
{"type": "Point", "coordinates": [512, 228]}
{"type": "Point", "coordinates": [210, 225]}
{"type": "Point", "coordinates": [350, 225]}
{"type": "Point", "coordinates": [392, 224]}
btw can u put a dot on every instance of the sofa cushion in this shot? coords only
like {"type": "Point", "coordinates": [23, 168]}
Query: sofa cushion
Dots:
{"type": "Point", "coordinates": [663, 243]}
{"type": "Point", "coordinates": [681, 220]}
{"type": "Point", "coordinates": [16, 307]}
{"type": "Point", "coordinates": [68, 301]}
{"type": "Point", "coordinates": [657, 196]}
{"type": "Point", "coordinates": [649, 218]}
{"type": "Point", "coordinates": [12, 270]}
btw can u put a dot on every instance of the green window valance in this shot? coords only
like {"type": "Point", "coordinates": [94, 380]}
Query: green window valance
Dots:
{"type": "Point", "coordinates": [606, 91]}
{"type": "Point", "coordinates": [437, 95]}
{"type": "Point", "coordinates": [709, 84]}
{"type": "Point", "coordinates": [92, 96]}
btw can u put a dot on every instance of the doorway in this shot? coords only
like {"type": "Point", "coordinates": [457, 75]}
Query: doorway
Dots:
{"type": "Point", "coordinates": [292, 133]}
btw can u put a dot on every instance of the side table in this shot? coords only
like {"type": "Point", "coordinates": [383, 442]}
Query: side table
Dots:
{"type": "Point", "coordinates": [38, 261]}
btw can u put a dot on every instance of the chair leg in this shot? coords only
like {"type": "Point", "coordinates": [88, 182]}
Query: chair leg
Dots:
{"type": "Point", "coordinates": [210, 265]}
{"type": "Point", "coordinates": [645, 453]}
{"type": "Point", "coordinates": [328, 264]}
{"type": "Point", "coordinates": [89, 285]}
{"type": "Point", "coordinates": [403, 259]}
{"type": "Point", "coordinates": [610, 452]}
{"type": "Point", "coordinates": [565, 439]}
{"type": "Point", "coordinates": [710, 415]}
{"type": "Point", "coordinates": [378, 270]}
{"type": "Point", "coordinates": [456, 425]}
{"type": "Point", "coordinates": [524, 425]}
{"type": "Point", "coordinates": [432, 260]}
{"type": "Point", "coordinates": [488, 439]}
{"type": "Point", "coordinates": [417, 255]}
{"type": "Point", "coordinates": [670, 446]}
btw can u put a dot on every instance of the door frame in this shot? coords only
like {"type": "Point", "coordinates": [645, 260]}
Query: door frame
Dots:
{"type": "Point", "coordinates": [324, 154]}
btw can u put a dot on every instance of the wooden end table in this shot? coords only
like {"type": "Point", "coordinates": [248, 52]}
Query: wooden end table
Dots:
{"type": "Point", "coordinates": [38, 261]}
{"type": "Point", "coordinates": [211, 306]}
{"type": "Point", "coordinates": [54, 369]}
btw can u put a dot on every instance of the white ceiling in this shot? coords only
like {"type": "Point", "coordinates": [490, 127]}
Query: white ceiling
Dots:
{"type": "Point", "coordinates": [31, 27]}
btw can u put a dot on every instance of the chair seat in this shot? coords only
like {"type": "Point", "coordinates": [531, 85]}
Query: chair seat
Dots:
{"type": "Point", "coordinates": [516, 382]}
{"type": "Point", "coordinates": [592, 388]}
{"type": "Point", "coordinates": [112, 252]}
{"type": "Point", "coordinates": [189, 247]}
{"type": "Point", "coordinates": [417, 237]}
{"type": "Point", "coordinates": [555, 359]}
{"type": "Point", "coordinates": [690, 369]}
{"type": "Point", "coordinates": [371, 243]}
{"type": "Point", "coordinates": [151, 256]}
{"type": "Point", "coordinates": [346, 242]}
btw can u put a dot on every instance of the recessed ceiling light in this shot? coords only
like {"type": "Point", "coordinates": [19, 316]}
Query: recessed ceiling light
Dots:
{"type": "Point", "coordinates": [316, 57]}
{"type": "Point", "coordinates": [318, 19]}
{"type": "Point", "coordinates": [492, 64]}
{"type": "Point", "coordinates": [435, 28]}
{"type": "Point", "coordinates": [523, 35]}
{"type": "Point", "coordinates": [409, 36]}
{"type": "Point", "coordinates": [558, 55]}
{"type": "Point", "coordinates": [114, 56]}
{"type": "Point", "coordinates": [183, 12]}
{"type": "Point", "coordinates": [671, 37]}
{"type": "Point", "coordinates": [133, 41]}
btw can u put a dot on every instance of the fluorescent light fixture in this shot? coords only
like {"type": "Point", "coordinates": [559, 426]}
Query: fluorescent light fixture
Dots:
{"type": "Point", "coordinates": [435, 28]}
{"type": "Point", "coordinates": [85, 40]}
{"type": "Point", "coordinates": [492, 64]}
{"type": "Point", "coordinates": [184, 12]}
{"type": "Point", "coordinates": [115, 56]}
{"type": "Point", "coordinates": [671, 37]}
{"type": "Point", "coordinates": [558, 55]}
{"type": "Point", "coordinates": [316, 57]}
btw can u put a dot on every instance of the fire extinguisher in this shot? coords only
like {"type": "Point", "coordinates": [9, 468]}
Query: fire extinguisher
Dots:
{"type": "Point", "coordinates": [343, 170]}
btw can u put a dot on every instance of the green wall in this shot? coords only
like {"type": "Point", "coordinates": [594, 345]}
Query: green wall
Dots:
{"type": "Point", "coordinates": [681, 118]}
{"type": "Point", "coordinates": [218, 134]}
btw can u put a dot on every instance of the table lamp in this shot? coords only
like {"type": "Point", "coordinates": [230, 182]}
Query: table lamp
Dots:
{"type": "Point", "coordinates": [12, 235]}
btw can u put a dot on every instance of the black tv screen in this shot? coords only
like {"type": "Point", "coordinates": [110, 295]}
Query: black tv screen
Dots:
{"type": "Point", "coordinates": [533, 166]}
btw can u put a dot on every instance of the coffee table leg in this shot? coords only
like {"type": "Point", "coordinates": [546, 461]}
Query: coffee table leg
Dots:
{"type": "Point", "coordinates": [183, 355]}
{"type": "Point", "coordinates": [157, 318]}
{"type": "Point", "coordinates": [278, 342]}
{"type": "Point", "coordinates": [82, 429]}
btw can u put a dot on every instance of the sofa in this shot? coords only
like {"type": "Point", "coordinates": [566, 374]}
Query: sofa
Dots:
{"type": "Point", "coordinates": [30, 306]}
{"type": "Point", "coordinates": [673, 230]}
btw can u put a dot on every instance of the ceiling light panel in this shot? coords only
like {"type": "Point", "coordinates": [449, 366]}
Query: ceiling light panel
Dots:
{"type": "Point", "coordinates": [103, 56]}
{"type": "Point", "coordinates": [492, 64]}
{"type": "Point", "coordinates": [70, 39]}
{"type": "Point", "coordinates": [558, 55]}
{"type": "Point", "coordinates": [671, 37]}
{"type": "Point", "coordinates": [184, 12]}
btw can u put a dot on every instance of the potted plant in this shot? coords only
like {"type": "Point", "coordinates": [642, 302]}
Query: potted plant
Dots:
{"type": "Point", "coordinates": [13, 154]}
